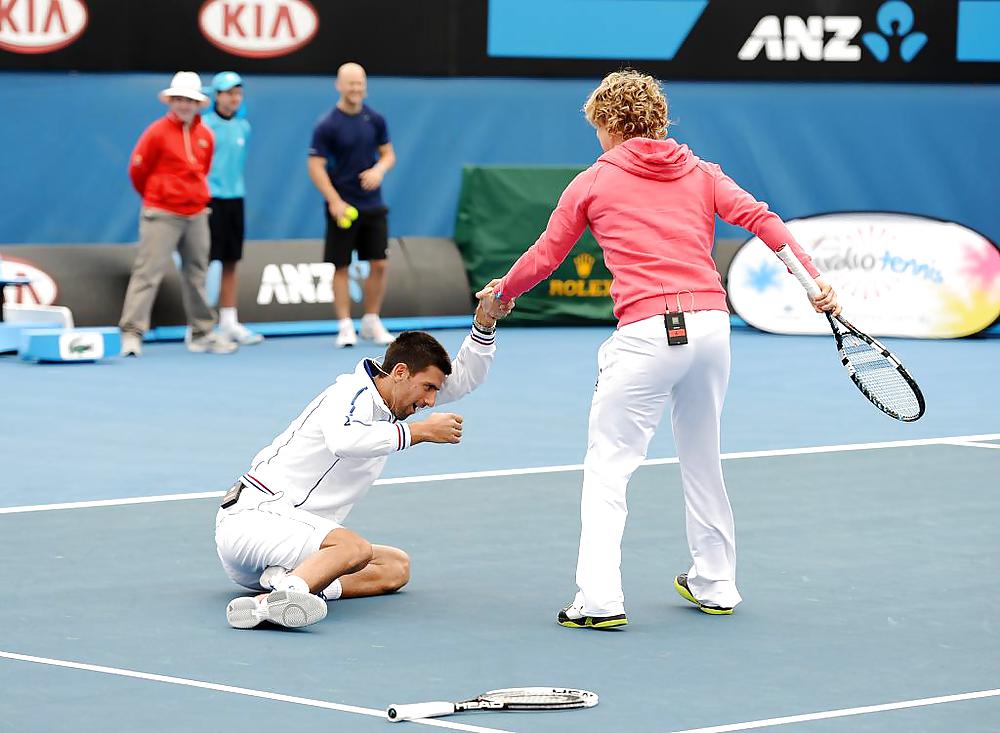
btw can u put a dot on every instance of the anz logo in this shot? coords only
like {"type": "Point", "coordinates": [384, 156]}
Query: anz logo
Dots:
{"type": "Point", "coordinates": [831, 37]}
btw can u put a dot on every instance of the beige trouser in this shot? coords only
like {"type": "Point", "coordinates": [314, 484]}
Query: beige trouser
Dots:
{"type": "Point", "coordinates": [160, 233]}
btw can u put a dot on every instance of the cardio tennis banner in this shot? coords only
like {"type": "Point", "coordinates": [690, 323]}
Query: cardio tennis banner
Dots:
{"type": "Point", "coordinates": [501, 212]}
{"type": "Point", "coordinates": [895, 275]}
{"type": "Point", "coordinates": [887, 40]}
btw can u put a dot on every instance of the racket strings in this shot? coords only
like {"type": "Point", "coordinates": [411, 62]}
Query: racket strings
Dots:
{"type": "Point", "coordinates": [880, 377]}
{"type": "Point", "coordinates": [534, 698]}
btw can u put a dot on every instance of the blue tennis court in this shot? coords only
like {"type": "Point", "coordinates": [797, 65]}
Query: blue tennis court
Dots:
{"type": "Point", "coordinates": [868, 551]}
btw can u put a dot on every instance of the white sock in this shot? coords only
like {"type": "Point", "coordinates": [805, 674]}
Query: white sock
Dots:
{"type": "Point", "coordinates": [371, 318]}
{"type": "Point", "coordinates": [333, 591]}
{"type": "Point", "coordinates": [227, 317]}
{"type": "Point", "coordinates": [346, 324]}
{"type": "Point", "coordinates": [290, 582]}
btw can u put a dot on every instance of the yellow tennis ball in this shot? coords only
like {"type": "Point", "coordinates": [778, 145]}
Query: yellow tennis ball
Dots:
{"type": "Point", "coordinates": [349, 217]}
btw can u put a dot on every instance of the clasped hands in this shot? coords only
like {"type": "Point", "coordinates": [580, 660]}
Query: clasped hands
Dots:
{"type": "Point", "coordinates": [490, 308]}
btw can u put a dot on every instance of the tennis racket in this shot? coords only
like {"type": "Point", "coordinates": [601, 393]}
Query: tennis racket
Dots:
{"type": "Point", "coordinates": [514, 698]}
{"type": "Point", "coordinates": [873, 368]}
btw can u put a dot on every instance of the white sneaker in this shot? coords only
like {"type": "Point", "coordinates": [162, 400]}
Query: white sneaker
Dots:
{"type": "Point", "coordinates": [131, 344]}
{"type": "Point", "coordinates": [346, 336]}
{"type": "Point", "coordinates": [242, 335]}
{"type": "Point", "coordinates": [287, 608]}
{"type": "Point", "coordinates": [213, 342]}
{"type": "Point", "coordinates": [271, 574]}
{"type": "Point", "coordinates": [372, 329]}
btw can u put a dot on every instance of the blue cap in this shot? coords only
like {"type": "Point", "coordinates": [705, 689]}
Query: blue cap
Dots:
{"type": "Point", "coordinates": [226, 80]}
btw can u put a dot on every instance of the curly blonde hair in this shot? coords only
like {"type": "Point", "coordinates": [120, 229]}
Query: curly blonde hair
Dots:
{"type": "Point", "coordinates": [629, 104]}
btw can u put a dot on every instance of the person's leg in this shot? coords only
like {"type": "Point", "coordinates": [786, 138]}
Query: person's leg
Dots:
{"type": "Point", "coordinates": [636, 372]}
{"type": "Point", "coordinates": [159, 233]}
{"type": "Point", "coordinates": [695, 417]}
{"type": "Point", "coordinates": [227, 286]}
{"type": "Point", "coordinates": [375, 287]}
{"type": "Point", "coordinates": [342, 552]}
{"type": "Point", "coordinates": [342, 293]}
{"type": "Point", "coordinates": [194, 249]}
{"type": "Point", "coordinates": [388, 571]}
{"type": "Point", "coordinates": [373, 247]}
{"type": "Point", "coordinates": [227, 224]}
{"type": "Point", "coordinates": [259, 535]}
{"type": "Point", "coordinates": [338, 249]}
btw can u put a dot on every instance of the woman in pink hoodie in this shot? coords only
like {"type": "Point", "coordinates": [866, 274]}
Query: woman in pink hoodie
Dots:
{"type": "Point", "coordinates": [651, 204]}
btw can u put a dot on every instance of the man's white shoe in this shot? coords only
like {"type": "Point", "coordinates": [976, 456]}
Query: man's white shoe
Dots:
{"type": "Point", "coordinates": [346, 336]}
{"type": "Point", "coordinates": [270, 576]}
{"type": "Point", "coordinates": [287, 608]}
{"type": "Point", "coordinates": [242, 335]}
{"type": "Point", "coordinates": [131, 344]}
{"type": "Point", "coordinates": [372, 329]}
{"type": "Point", "coordinates": [213, 342]}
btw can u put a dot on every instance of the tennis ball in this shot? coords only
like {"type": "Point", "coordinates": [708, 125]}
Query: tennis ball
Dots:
{"type": "Point", "coordinates": [349, 217]}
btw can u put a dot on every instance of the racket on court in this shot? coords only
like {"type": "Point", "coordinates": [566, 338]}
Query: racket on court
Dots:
{"type": "Point", "coordinates": [872, 367]}
{"type": "Point", "coordinates": [514, 698]}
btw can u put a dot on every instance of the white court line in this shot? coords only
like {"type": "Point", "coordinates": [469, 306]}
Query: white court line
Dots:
{"type": "Point", "coordinates": [973, 444]}
{"type": "Point", "coordinates": [843, 713]}
{"type": "Point", "coordinates": [238, 691]}
{"type": "Point", "coordinates": [953, 440]}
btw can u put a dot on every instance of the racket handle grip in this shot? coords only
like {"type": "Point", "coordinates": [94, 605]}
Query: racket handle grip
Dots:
{"type": "Point", "coordinates": [396, 713]}
{"type": "Point", "coordinates": [786, 255]}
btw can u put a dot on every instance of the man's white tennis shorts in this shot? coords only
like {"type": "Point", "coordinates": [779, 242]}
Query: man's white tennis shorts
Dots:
{"type": "Point", "coordinates": [260, 531]}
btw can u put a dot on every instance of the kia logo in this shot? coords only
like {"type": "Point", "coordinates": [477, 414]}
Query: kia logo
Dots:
{"type": "Point", "coordinates": [258, 28]}
{"type": "Point", "coordinates": [41, 288]}
{"type": "Point", "coordinates": [40, 26]}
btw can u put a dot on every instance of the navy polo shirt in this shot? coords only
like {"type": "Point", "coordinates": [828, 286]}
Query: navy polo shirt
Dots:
{"type": "Point", "coordinates": [350, 145]}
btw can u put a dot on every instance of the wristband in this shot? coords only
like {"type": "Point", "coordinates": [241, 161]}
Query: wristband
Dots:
{"type": "Point", "coordinates": [484, 329]}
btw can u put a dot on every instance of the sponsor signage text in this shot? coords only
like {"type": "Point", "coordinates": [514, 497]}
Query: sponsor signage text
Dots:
{"type": "Point", "coordinates": [895, 275]}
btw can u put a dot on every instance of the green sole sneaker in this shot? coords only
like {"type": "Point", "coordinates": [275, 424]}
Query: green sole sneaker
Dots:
{"type": "Point", "coordinates": [681, 586]}
{"type": "Point", "coordinates": [591, 622]}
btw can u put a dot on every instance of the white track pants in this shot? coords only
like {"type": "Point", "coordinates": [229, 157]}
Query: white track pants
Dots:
{"type": "Point", "coordinates": [638, 373]}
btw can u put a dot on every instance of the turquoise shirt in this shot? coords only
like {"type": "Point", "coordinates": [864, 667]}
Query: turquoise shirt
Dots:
{"type": "Point", "coordinates": [232, 136]}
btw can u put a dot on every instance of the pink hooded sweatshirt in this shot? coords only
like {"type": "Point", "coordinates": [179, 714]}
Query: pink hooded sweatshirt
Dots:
{"type": "Point", "coordinates": [651, 205]}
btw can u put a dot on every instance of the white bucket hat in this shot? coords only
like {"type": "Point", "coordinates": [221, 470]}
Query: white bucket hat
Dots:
{"type": "Point", "coordinates": [185, 84]}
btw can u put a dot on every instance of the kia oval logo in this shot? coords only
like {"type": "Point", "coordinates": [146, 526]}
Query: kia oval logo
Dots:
{"type": "Point", "coordinates": [258, 28]}
{"type": "Point", "coordinates": [41, 289]}
{"type": "Point", "coordinates": [41, 26]}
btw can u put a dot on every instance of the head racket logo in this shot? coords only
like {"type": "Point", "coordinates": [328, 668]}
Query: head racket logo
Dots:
{"type": "Point", "coordinates": [895, 22]}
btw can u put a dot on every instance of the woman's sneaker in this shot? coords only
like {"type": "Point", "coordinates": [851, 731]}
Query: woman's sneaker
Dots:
{"type": "Point", "coordinates": [573, 617]}
{"type": "Point", "coordinates": [287, 608]}
{"type": "Point", "coordinates": [681, 586]}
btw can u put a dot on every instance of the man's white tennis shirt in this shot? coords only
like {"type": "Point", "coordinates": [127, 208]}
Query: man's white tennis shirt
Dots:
{"type": "Point", "coordinates": [331, 454]}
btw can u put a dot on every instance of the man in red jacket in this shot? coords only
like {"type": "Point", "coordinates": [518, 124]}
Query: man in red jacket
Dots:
{"type": "Point", "coordinates": [169, 169]}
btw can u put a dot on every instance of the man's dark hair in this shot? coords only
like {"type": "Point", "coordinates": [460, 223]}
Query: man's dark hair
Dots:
{"type": "Point", "coordinates": [418, 350]}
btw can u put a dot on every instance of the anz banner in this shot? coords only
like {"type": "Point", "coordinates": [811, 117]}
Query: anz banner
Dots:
{"type": "Point", "coordinates": [895, 275]}
{"type": "Point", "coordinates": [279, 281]}
{"type": "Point", "coordinates": [879, 40]}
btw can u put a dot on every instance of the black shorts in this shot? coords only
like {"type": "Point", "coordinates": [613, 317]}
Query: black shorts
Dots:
{"type": "Point", "coordinates": [226, 225]}
{"type": "Point", "coordinates": [369, 235]}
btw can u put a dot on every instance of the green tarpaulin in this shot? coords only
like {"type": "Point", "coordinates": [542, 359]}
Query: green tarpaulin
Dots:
{"type": "Point", "coordinates": [501, 212]}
